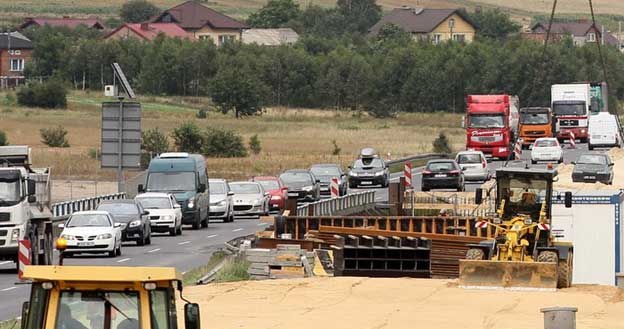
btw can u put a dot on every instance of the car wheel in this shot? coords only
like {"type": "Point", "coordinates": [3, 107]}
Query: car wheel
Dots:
{"type": "Point", "coordinates": [425, 189]}
{"type": "Point", "coordinates": [141, 240]}
{"type": "Point", "coordinates": [148, 240]}
{"type": "Point", "coordinates": [204, 223]}
{"type": "Point", "coordinates": [197, 222]}
{"type": "Point", "coordinates": [119, 250]}
{"type": "Point", "coordinates": [533, 162]}
{"type": "Point", "coordinates": [173, 231]}
{"type": "Point", "coordinates": [590, 147]}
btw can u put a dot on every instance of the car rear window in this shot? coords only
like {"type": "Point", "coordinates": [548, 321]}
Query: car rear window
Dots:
{"type": "Point", "coordinates": [469, 158]}
{"type": "Point", "coordinates": [245, 188]}
{"type": "Point", "coordinates": [441, 166]}
{"type": "Point", "coordinates": [546, 143]}
{"type": "Point", "coordinates": [119, 208]}
{"type": "Point", "coordinates": [592, 159]}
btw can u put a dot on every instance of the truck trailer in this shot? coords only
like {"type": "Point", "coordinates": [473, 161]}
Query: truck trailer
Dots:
{"type": "Point", "coordinates": [492, 124]}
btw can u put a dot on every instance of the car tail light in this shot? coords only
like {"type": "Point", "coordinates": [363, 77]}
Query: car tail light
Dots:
{"type": "Point", "coordinates": [427, 172]}
{"type": "Point", "coordinates": [484, 163]}
{"type": "Point", "coordinates": [454, 172]}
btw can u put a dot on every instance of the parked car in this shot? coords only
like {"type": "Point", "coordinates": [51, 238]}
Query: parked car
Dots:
{"type": "Point", "coordinates": [325, 173]}
{"type": "Point", "coordinates": [250, 199]}
{"type": "Point", "coordinates": [276, 190]}
{"type": "Point", "coordinates": [369, 171]}
{"type": "Point", "coordinates": [592, 167]}
{"type": "Point", "coordinates": [135, 222]}
{"type": "Point", "coordinates": [546, 149]}
{"type": "Point", "coordinates": [442, 174]}
{"type": "Point", "coordinates": [603, 131]}
{"type": "Point", "coordinates": [92, 232]}
{"type": "Point", "coordinates": [221, 200]}
{"type": "Point", "coordinates": [165, 212]}
{"type": "Point", "coordinates": [474, 164]}
{"type": "Point", "coordinates": [301, 184]}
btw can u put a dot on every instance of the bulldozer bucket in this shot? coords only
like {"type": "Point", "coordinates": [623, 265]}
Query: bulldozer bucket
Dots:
{"type": "Point", "coordinates": [488, 274]}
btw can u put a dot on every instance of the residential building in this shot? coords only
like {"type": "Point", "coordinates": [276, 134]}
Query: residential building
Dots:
{"type": "Point", "coordinates": [147, 31]}
{"type": "Point", "coordinates": [203, 22]}
{"type": "Point", "coordinates": [15, 53]}
{"type": "Point", "coordinates": [435, 25]}
{"type": "Point", "coordinates": [65, 21]}
{"type": "Point", "coordinates": [270, 37]}
{"type": "Point", "coordinates": [581, 32]}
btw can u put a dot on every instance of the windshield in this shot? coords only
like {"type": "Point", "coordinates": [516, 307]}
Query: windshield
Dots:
{"type": "Point", "coordinates": [469, 158]}
{"type": "Point", "coordinates": [217, 188]}
{"type": "Point", "coordinates": [171, 181]}
{"type": "Point", "coordinates": [534, 118]}
{"type": "Point", "coordinates": [326, 171]}
{"type": "Point", "coordinates": [546, 143]}
{"type": "Point", "coordinates": [441, 166]}
{"type": "Point", "coordinates": [592, 159]}
{"type": "Point", "coordinates": [82, 310]}
{"type": "Point", "coordinates": [486, 121]}
{"type": "Point", "coordinates": [82, 220]}
{"type": "Point", "coordinates": [299, 177]}
{"type": "Point", "coordinates": [368, 163]}
{"type": "Point", "coordinates": [245, 188]}
{"type": "Point", "coordinates": [154, 203]}
{"type": "Point", "coordinates": [522, 196]}
{"type": "Point", "coordinates": [9, 191]}
{"type": "Point", "coordinates": [126, 209]}
{"type": "Point", "coordinates": [571, 108]}
{"type": "Point", "coordinates": [269, 185]}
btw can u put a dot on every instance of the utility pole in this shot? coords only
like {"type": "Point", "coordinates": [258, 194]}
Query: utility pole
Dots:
{"type": "Point", "coordinates": [620, 36]}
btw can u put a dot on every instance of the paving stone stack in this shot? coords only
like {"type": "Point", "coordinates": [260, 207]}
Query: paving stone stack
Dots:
{"type": "Point", "coordinates": [281, 263]}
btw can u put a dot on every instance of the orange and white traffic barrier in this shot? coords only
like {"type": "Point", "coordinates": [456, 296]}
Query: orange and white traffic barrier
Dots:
{"type": "Point", "coordinates": [408, 175]}
{"type": "Point", "coordinates": [334, 187]}
{"type": "Point", "coordinates": [23, 256]}
{"type": "Point", "coordinates": [572, 140]}
{"type": "Point", "coordinates": [518, 149]}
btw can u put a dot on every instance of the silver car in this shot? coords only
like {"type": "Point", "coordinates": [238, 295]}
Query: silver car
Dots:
{"type": "Point", "coordinates": [221, 200]}
{"type": "Point", "coordinates": [250, 199]}
{"type": "Point", "coordinates": [474, 165]}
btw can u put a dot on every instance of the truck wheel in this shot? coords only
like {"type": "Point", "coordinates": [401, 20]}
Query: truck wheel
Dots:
{"type": "Point", "coordinates": [547, 257]}
{"type": "Point", "coordinates": [564, 275]}
{"type": "Point", "coordinates": [475, 254]}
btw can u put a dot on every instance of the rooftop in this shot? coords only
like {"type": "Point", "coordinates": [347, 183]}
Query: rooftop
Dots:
{"type": "Point", "coordinates": [17, 41]}
{"type": "Point", "coordinates": [417, 20]}
{"type": "Point", "coordinates": [64, 21]}
{"type": "Point", "coordinates": [101, 273]}
{"type": "Point", "coordinates": [194, 15]}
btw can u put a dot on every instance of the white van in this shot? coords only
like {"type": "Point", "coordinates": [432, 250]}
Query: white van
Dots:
{"type": "Point", "coordinates": [603, 130]}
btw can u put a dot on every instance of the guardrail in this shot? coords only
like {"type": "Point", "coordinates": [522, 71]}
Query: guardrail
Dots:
{"type": "Point", "coordinates": [64, 209]}
{"type": "Point", "coordinates": [423, 157]}
{"type": "Point", "coordinates": [343, 205]}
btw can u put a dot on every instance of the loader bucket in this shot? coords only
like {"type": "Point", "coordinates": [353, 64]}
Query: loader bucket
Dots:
{"type": "Point", "coordinates": [488, 274]}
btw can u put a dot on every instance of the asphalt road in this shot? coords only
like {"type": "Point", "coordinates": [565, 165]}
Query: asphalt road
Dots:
{"type": "Point", "coordinates": [192, 249]}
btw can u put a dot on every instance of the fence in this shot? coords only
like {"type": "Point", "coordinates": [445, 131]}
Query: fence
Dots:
{"type": "Point", "coordinates": [345, 205]}
{"type": "Point", "coordinates": [421, 157]}
{"type": "Point", "coordinates": [64, 209]}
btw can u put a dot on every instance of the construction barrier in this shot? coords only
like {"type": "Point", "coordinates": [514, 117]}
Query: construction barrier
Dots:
{"type": "Point", "coordinates": [23, 257]}
{"type": "Point", "coordinates": [572, 140]}
{"type": "Point", "coordinates": [518, 149]}
{"type": "Point", "coordinates": [334, 188]}
{"type": "Point", "coordinates": [408, 175]}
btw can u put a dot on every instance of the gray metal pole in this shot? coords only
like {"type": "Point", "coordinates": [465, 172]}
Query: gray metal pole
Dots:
{"type": "Point", "coordinates": [120, 148]}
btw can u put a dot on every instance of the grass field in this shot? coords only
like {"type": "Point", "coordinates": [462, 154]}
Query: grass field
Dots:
{"type": "Point", "coordinates": [291, 138]}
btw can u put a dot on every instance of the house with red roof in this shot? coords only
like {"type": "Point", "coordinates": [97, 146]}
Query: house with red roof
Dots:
{"type": "Point", "coordinates": [66, 21]}
{"type": "Point", "coordinates": [582, 31]}
{"type": "Point", "coordinates": [203, 22]}
{"type": "Point", "coordinates": [147, 31]}
{"type": "Point", "coordinates": [15, 53]}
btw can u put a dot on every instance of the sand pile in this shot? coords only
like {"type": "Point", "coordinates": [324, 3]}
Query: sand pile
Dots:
{"type": "Point", "coordinates": [348, 302]}
{"type": "Point", "coordinates": [565, 175]}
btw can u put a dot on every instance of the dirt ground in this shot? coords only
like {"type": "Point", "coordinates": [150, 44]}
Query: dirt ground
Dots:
{"type": "Point", "coordinates": [565, 175]}
{"type": "Point", "coordinates": [348, 302]}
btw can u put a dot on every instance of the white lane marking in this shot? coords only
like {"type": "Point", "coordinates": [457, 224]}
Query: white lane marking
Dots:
{"type": "Point", "coordinates": [153, 250]}
{"type": "Point", "coordinates": [6, 262]}
{"type": "Point", "coordinates": [262, 224]}
{"type": "Point", "coordinates": [9, 289]}
{"type": "Point", "coordinates": [238, 229]}
{"type": "Point", "coordinates": [185, 242]}
{"type": "Point", "coordinates": [211, 236]}
{"type": "Point", "coordinates": [123, 260]}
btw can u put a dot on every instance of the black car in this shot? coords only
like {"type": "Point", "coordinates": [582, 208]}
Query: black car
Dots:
{"type": "Point", "coordinates": [135, 222]}
{"type": "Point", "coordinates": [325, 173]}
{"type": "Point", "coordinates": [442, 174]}
{"type": "Point", "coordinates": [301, 184]}
{"type": "Point", "coordinates": [368, 172]}
{"type": "Point", "coordinates": [593, 167]}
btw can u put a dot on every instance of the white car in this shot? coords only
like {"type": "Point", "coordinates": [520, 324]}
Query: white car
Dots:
{"type": "Point", "coordinates": [250, 199]}
{"type": "Point", "coordinates": [221, 201]}
{"type": "Point", "coordinates": [92, 232]}
{"type": "Point", "coordinates": [474, 164]}
{"type": "Point", "coordinates": [546, 149]}
{"type": "Point", "coordinates": [164, 211]}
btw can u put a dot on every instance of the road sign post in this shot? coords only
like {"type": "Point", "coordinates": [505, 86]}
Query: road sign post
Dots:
{"type": "Point", "coordinates": [121, 137]}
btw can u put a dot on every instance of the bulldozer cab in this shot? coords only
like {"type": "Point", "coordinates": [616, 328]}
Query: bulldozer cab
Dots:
{"type": "Point", "coordinates": [523, 191]}
{"type": "Point", "coordinates": [80, 297]}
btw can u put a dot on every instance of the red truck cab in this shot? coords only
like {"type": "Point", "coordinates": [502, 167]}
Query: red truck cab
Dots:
{"type": "Point", "coordinates": [491, 124]}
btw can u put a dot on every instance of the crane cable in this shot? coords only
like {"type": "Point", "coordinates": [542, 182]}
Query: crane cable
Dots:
{"type": "Point", "coordinates": [599, 42]}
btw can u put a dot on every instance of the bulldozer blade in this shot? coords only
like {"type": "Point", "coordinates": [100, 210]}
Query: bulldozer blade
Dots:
{"type": "Point", "coordinates": [488, 274]}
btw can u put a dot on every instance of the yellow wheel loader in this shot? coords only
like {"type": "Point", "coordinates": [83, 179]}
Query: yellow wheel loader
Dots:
{"type": "Point", "coordinates": [522, 255]}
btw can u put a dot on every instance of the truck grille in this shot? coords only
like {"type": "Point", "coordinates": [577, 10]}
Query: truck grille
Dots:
{"type": "Point", "coordinates": [535, 132]}
{"type": "Point", "coordinates": [4, 232]}
{"type": "Point", "coordinates": [568, 123]}
{"type": "Point", "coordinates": [5, 216]}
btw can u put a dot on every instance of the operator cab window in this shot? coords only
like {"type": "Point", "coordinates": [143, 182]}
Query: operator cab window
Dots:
{"type": "Point", "coordinates": [98, 310]}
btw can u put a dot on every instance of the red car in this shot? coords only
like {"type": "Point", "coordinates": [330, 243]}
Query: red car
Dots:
{"type": "Point", "coordinates": [275, 188]}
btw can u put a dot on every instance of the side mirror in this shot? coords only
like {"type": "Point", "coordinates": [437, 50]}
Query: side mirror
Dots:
{"type": "Point", "coordinates": [145, 212]}
{"type": "Point", "coordinates": [177, 206]}
{"type": "Point", "coordinates": [266, 194]}
{"type": "Point", "coordinates": [61, 225]}
{"type": "Point", "coordinates": [191, 316]}
{"type": "Point", "coordinates": [611, 164]}
{"type": "Point", "coordinates": [140, 188]}
{"type": "Point", "coordinates": [464, 169]}
{"type": "Point", "coordinates": [25, 309]}
{"type": "Point", "coordinates": [318, 180]}
{"type": "Point", "coordinates": [201, 188]}
{"type": "Point", "coordinates": [463, 122]}
{"type": "Point", "coordinates": [32, 199]}
{"type": "Point", "coordinates": [568, 199]}
{"type": "Point", "coordinates": [349, 167]}
{"type": "Point", "coordinates": [117, 225]}
{"type": "Point", "coordinates": [230, 193]}
{"type": "Point", "coordinates": [573, 162]}
{"type": "Point", "coordinates": [479, 196]}
{"type": "Point", "coordinates": [32, 188]}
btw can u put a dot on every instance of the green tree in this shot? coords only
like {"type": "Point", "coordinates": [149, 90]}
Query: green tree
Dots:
{"type": "Point", "coordinates": [391, 33]}
{"type": "Point", "coordinates": [154, 141]}
{"type": "Point", "coordinates": [494, 23]}
{"type": "Point", "coordinates": [344, 79]}
{"type": "Point", "coordinates": [254, 144]}
{"type": "Point", "coordinates": [137, 11]}
{"type": "Point", "coordinates": [220, 142]}
{"type": "Point", "coordinates": [4, 141]}
{"type": "Point", "coordinates": [54, 137]}
{"type": "Point", "coordinates": [290, 74]}
{"type": "Point", "coordinates": [276, 13]}
{"type": "Point", "coordinates": [441, 144]}
{"type": "Point", "coordinates": [188, 138]}
{"type": "Point", "coordinates": [359, 15]}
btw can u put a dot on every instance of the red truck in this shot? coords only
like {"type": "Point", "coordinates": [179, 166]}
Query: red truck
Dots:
{"type": "Point", "coordinates": [491, 124]}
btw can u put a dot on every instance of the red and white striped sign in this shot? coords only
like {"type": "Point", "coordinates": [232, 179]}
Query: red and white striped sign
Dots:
{"type": "Point", "coordinates": [334, 187]}
{"type": "Point", "coordinates": [408, 175]}
{"type": "Point", "coordinates": [543, 227]}
{"type": "Point", "coordinates": [518, 149]}
{"type": "Point", "coordinates": [572, 140]}
{"type": "Point", "coordinates": [481, 224]}
{"type": "Point", "coordinates": [23, 256]}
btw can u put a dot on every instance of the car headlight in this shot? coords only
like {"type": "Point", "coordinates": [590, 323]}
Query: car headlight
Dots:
{"type": "Point", "coordinates": [104, 236]}
{"type": "Point", "coordinates": [276, 197]}
{"type": "Point", "coordinates": [602, 173]}
{"type": "Point", "coordinates": [15, 235]}
{"type": "Point", "coordinates": [135, 223]}
{"type": "Point", "coordinates": [379, 173]}
{"type": "Point", "coordinates": [191, 203]}
{"type": "Point", "coordinates": [168, 217]}
{"type": "Point", "coordinates": [308, 188]}
{"type": "Point", "coordinates": [67, 237]}
{"type": "Point", "coordinates": [354, 174]}
{"type": "Point", "coordinates": [222, 203]}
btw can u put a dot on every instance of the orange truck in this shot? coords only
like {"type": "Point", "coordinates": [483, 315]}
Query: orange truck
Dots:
{"type": "Point", "coordinates": [536, 122]}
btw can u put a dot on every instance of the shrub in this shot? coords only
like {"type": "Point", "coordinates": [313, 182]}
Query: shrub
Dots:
{"type": "Point", "coordinates": [50, 94]}
{"type": "Point", "coordinates": [219, 142]}
{"type": "Point", "coordinates": [254, 144]}
{"type": "Point", "coordinates": [154, 141]}
{"type": "Point", "coordinates": [9, 99]}
{"type": "Point", "coordinates": [3, 139]}
{"type": "Point", "coordinates": [94, 154]}
{"type": "Point", "coordinates": [188, 138]}
{"type": "Point", "coordinates": [202, 114]}
{"type": "Point", "coordinates": [54, 137]}
{"type": "Point", "coordinates": [233, 270]}
{"type": "Point", "coordinates": [441, 144]}
{"type": "Point", "coordinates": [337, 149]}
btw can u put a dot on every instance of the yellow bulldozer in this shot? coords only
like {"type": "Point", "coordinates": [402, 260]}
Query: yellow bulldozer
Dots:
{"type": "Point", "coordinates": [522, 255]}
